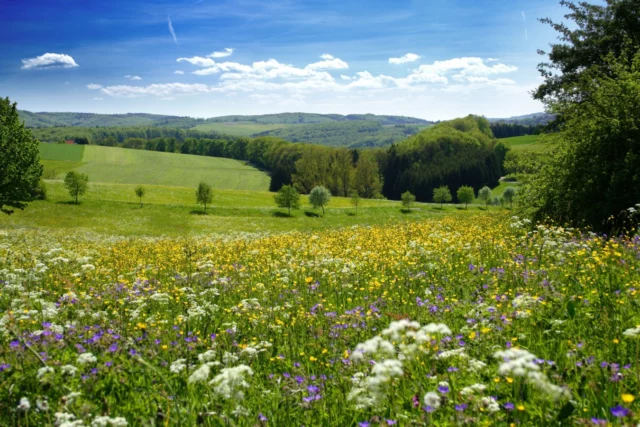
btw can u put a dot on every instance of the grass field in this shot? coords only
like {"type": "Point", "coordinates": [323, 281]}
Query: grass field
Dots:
{"type": "Point", "coordinates": [126, 166]}
{"type": "Point", "coordinates": [113, 209]}
{"type": "Point", "coordinates": [239, 128]}
{"type": "Point", "coordinates": [533, 143]}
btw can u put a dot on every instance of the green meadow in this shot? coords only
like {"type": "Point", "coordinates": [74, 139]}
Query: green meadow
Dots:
{"type": "Point", "coordinates": [128, 166]}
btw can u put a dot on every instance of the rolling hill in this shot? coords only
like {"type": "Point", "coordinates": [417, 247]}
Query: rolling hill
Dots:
{"type": "Point", "coordinates": [125, 166]}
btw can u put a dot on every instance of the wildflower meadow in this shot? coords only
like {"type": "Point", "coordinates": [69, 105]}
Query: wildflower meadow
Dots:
{"type": "Point", "coordinates": [469, 320]}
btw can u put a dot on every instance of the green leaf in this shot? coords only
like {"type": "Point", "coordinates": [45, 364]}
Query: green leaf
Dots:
{"type": "Point", "coordinates": [566, 411]}
{"type": "Point", "coordinates": [571, 309]}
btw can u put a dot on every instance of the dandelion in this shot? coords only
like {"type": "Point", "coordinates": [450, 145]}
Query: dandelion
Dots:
{"type": "Point", "coordinates": [24, 404]}
{"type": "Point", "coordinates": [432, 400]}
{"type": "Point", "coordinates": [628, 398]}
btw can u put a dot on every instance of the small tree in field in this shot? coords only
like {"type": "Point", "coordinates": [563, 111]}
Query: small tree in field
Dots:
{"type": "Point", "coordinates": [407, 200]}
{"type": "Point", "coordinates": [485, 195]}
{"type": "Point", "coordinates": [140, 191]}
{"type": "Point", "coordinates": [508, 195]}
{"type": "Point", "coordinates": [76, 183]}
{"type": "Point", "coordinates": [442, 195]}
{"type": "Point", "coordinates": [204, 195]}
{"type": "Point", "coordinates": [319, 197]}
{"type": "Point", "coordinates": [466, 195]}
{"type": "Point", "coordinates": [288, 197]}
{"type": "Point", "coordinates": [355, 199]}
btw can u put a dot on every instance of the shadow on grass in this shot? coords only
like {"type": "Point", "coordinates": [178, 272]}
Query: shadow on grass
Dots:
{"type": "Point", "coordinates": [279, 214]}
{"type": "Point", "coordinates": [69, 202]}
{"type": "Point", "coordinates": [311, 214]}
{"type": "Point", "coordinates": [350, 213]}
{"type": "Point", "coordinates": [406, 211]}
{"type": "Point", "coordinates": [461, 208]}
{"type": "Point", "coordinates": [198, 212]}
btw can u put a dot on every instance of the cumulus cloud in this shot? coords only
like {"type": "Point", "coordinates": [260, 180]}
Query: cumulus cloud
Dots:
{"type": "Point", "coordinates": [49, 60]}
{"type": "Point", "coordinates": [328, 63]}
{"type": "Point", "coordinates": [228, 51]}
{"type": "Point", "coordinates": [94, 86]}
{"type": "Point", "coordinates": [161, 90]}
{"type": "Point", "coordinates": [270, 77]}
{"type": "Point", "coordinates": [409, 57]}
{"type": "Point", "coordinates": [178, 72]}
{"type": "Point", "coordinates": [133, 77]}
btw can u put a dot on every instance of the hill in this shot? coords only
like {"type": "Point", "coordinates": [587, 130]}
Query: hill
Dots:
{"type": "Point", "coordinates": [527, 120]}
{"type": "Point", "coordinates": [125, 166]}
{"type": "Point", "coordinates": [353, 134]}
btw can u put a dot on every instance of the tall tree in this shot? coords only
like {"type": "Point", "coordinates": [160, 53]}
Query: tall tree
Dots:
{"type": "Point", "coordinates": [312, 169]}
{"type": "Point", "coordinates": [367, 177]}
{"type": "Point", "coordinates": [465, 195]}
{"type": "Point", "coordinates": [341, 171]}
{"type": "Point", "coordinates": [204, 195]}
{"type": "Point", "coordinates": [288, 197]}
{"type": "Point", "coordinates": [442, 195]}
{"type": "Point", "coordinates": [319, 197]}
{"type": "Point", "coordinates": [595, 31]}
{"type": "Point", "coordinates": [20, 168]}
{"type": "Point", "coordinates": [594, 173]}
{"type": "Point", "coordinates": [76, 183]}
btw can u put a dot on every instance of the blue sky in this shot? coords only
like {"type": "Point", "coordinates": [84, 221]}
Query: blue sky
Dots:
{"type": "Point", "coordinates": [434, 59]}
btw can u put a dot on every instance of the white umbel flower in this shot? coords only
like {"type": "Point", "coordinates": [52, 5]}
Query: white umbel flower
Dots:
{"type": "Point", "coordinates": [87, 358]}
{"type": "Point", "coordinates": [230, 382]}
{"type": "Point", "coordinates": [24, 404]}
{"type": "Point", "coordinates": [200, 375]}
{"type": "Point", "coordinates": [104, 421]}
{"type": "Point", "coordinates": [432, 399]}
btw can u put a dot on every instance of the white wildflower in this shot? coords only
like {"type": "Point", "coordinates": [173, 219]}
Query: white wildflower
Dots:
{"type": "Point", "coordinates": [432, 399]}
{"type": "Point", "coordinates": [374, 346]}
{"type": "Point", "coordinates": [178, 366]}
{"type": "Point", "coordinates": [44, 371]}
{"type": "Point", "coordinates": [200, 375]}
{"type": "Point", "coordinates": [104, 421]}
{"type": "Point", "coordinates": [230, 382]}
{"type": "Point", "coordinates": [42, 405]}
{"type": "Point", "coordinates": [489, 404]}
{"type": "Point", "coordinates": [69, 370]}
{"type": "Point", "coordinates": [632, 333]}
{"type": "Point", "coordinates": [86, 358]}
{"type": "Point", "coordinates": [24, 404]}
{"type": "Point", "coordinates": [473, 389]}
{"type": "Point", "coordinates": [207, 356]}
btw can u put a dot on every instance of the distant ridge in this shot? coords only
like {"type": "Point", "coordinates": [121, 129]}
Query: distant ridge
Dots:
{"type": "Point", "coordinates": [44, 119]}
{"type": "Point", "coordinates": [528, 119]}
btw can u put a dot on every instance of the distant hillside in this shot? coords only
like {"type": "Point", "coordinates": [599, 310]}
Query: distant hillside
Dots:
{"type": "Point", "coordinates": [353, 134]}
{"type": "Point", "coordinates": [37, 120]}
{"type": "Point", "coordinates": [43, 120]}
{"type": "Point", "coordinates": [527, 120]}
{"type": "Point", "coordinates": [353, 130]}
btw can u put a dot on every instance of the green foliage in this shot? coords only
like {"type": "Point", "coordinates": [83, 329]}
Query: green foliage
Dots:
{"type": "Point", "coordinates": [355, 199]}
{"type": "Point", "coordinates": [594, 173]}
{"type": "Point", "coordinates": [140, 192]}
{"type": "Point", "coordinates": [465, 195]}
{"type": "Point", "coordinates": [319, 197]}
{"type": "Point", "coordinates": [204, 195]}
{"type": "Point", "coordinates": [442, 195]}
{"type": "Point", "coordinates": [288, 197]}
{"type": "Point", "coordinates": [593, 31]}
{"type": "Point", "coordinates": [455, 153]}
{"type": "Point", "coordinates": [76, 183]}
{"type": "Point", "coordinates": [509, 194]}
{"type": "Point", "coordinates": [485, 195]}
{"type": "Point", "coordinates": [20, 168]}
{"type": "Point", "coordinates": [367, 179]}
{"type": "Point", "coordinates": [408, 199]}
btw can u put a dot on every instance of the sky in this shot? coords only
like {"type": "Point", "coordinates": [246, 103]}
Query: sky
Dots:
{"type": "Point", "coordinates": [432, 59]}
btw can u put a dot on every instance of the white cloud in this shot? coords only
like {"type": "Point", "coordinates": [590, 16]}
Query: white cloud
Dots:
{"type": "Point", "coordinates": [273, 82]}
{"type": "Point", "coordinates": [171, 30]}
{"type": "Point", "coordinates": [94, 86]}
{"type": "Point", "coordinates": [49, 60]}
{"type": "Point", "coordinates": [178, 72]}
{"type": "Point", "coordinates": [98, 99]}
{"type": "Point", "coordinates": [133, 77]}
{"type": "Point", "coordinates": [228, 51]}
{"type": "Point", "coordinates": [409, 57]}
{"type": "Point", "coordinates": [492, 59]}
{"type": "Point", "coordinates": [329, 63]}
{"type": "Point", "coordinates": [161, 90]}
